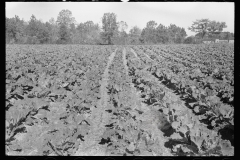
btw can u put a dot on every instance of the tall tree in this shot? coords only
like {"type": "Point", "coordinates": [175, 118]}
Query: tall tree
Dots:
{"type": "Point", "coordinates": [149, 33]}
{"type": "Point", "coordinates": [64, 21]}
{"type": "Point", "coordinates": [216, 27]}
{"type": "Point", "coordinates": [180, 35]}
{"type": "Point", "coordinates": [177, 34]}
{"type": "Point", "coordinates": [151, 25]}
{"type": "Point", "coordinates": [122, 26]}
{"type": "Point", "coordinates": [135, 31]}
{"type": "Point", "coordinates": [65, 18]}
{"type": "Point", "coordinates": [134, 35]}
{"type": "Point", "coordinates": [32, 27]}
{"type": "Point", "coordinates": [203, 27]}
{"type": "Point", "coordinates": [80, 35]}
{"type": "Point", "coordinates": [109, 26]}
{"type": "Point", "coordinates": [92, 32]}
{"type": "Point", "coordinates": [64, 34]}
{"type": "Point", "coordinates": [200, 27]}
{"type": "Point", "coordinates": [15, 30]}
{"type": "Point", "coordinates": [43, 33]}
{"type": "Point", "coordinates": [87, 33]}
{"type": "Point", "coordinates": [72, 31]}
{"type": "Point", "coordinates": [162, 34]}
{"type": "Point", "coordinates": [53, 30]}
{"type": "Point", "coordinates": [120, 35]}
{"type": "Point", "coordinates": [37, 31]}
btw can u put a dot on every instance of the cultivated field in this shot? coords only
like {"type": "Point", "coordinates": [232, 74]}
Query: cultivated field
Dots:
{"type": "Point", "coordinates": [162, 100]}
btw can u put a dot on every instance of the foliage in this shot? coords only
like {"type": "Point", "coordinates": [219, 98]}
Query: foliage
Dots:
{"type": "Point", "coordinates": [65, 30]}
{"type": "Point", "coordinates": [198, 124]}
{"type": "Point", "coordinates": [177, 34]}
{"type": "Point", "coordinates": [140, 100]}
{"type": "Point", "coordinates": [134, 35]}
{"type": "Point", "coordinates": [64, 34]}
{"type": "Point", "coordinates": [65, 18]}
{"type": "Point", "coordinates": [47, 108]}
{"type": "Point", "coordinates": [153, 34]}
{"type": "Point", "coordinates": [53, 30]}
{"type": "Point", "coordinates": [109, 27]}
{"type": "Point", "coordinates": [162, 34]}
{"type": "Point", "coordinates": [222, 35]}
{"type": "Point", "coordinates": [66, 25]}
{"type": "Point", "coordinates": [14, 30]}
{"type": "Point", "coordinates": [120, 36]}
{"type": "Point", "coordinates": [149, 33]}
{"type": "Point", "coordinates": [205, 27]}
{"type": "Point", "coordinates": [189, 40]}
{"type": "Point", "coordinates": [87, 33]}
{"type": "Point", "coordinates": [37, 32]}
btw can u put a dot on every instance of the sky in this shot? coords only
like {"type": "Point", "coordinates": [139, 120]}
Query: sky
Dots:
{"type": "Point", "coordinates": [182, 14]}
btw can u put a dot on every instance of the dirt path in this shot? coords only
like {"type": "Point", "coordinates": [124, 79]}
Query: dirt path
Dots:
{"type": "Point", "coordinates": [125, 61]}
{"type": "Point", "coordinates": [100, 118]}
{"type": "Point", "coordinates": [142, 52]}
{"type": "Point", "coordinates": [152, 117]}
{"type": "Point", "coordinates": [135, 54]}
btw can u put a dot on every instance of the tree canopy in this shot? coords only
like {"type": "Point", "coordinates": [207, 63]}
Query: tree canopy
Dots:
{"type": "Point", "coordinates": [65, 18]}
{"type": "Point", "coordinates": [153, 34]}
{"type": "Point", "coordinates": [205, 27]}
{"type": "Point", "coordinates": [109, 26]}
{"type": "Point", "coordinates": [65, 30]}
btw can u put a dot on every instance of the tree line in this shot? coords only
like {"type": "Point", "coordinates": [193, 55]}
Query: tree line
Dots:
{"type": "Point", "coordinates": [65, 30]}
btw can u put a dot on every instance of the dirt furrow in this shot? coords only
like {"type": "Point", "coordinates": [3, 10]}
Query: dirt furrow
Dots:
{"type": "Point", "coordinates": [152, 118]}
{"type": "Point", "coordinates": [99, 118]}
{"type": "Point", "coordinates": [125, 61]}
{"type": "Point", "coordinates": [142, 52]}
{"type": "Point", "coordinates": [135, 54]}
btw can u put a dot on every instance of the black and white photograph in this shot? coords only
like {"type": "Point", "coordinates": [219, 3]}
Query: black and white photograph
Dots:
{"type": "Point", "coordinates": [119, 79]}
